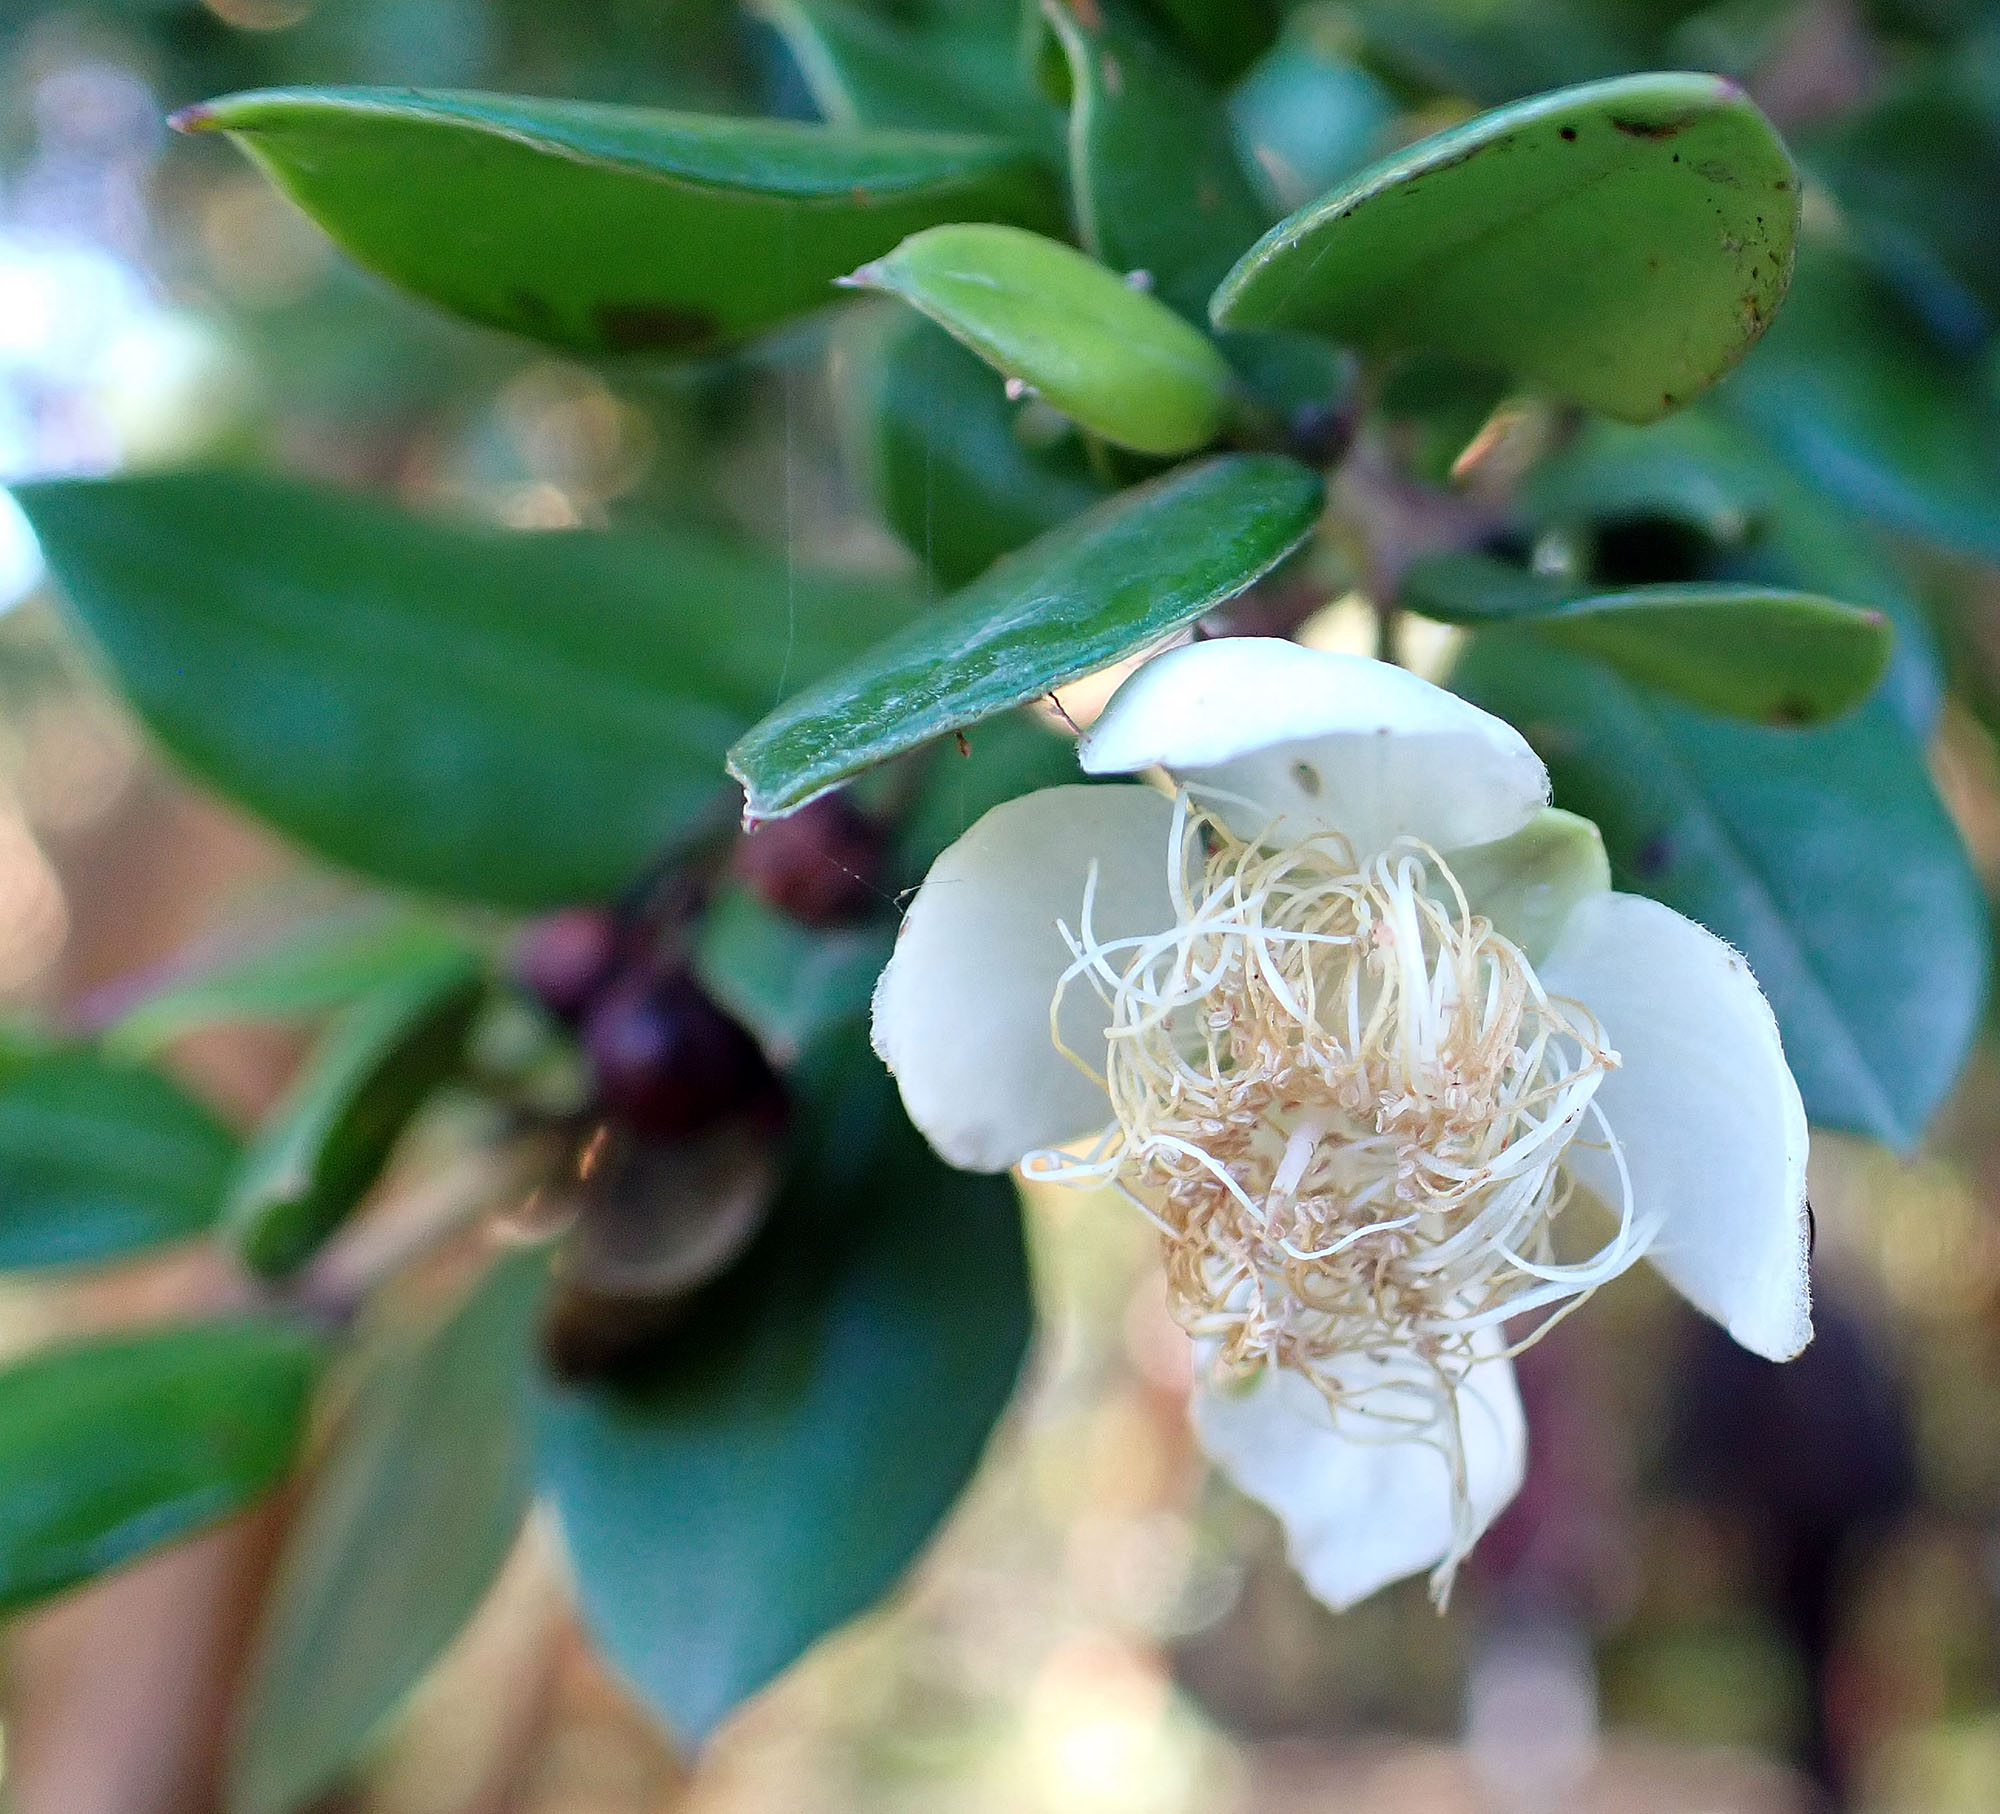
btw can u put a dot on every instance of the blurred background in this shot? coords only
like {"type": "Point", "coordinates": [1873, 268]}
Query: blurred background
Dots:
{"type": "Point", "coordinates": [1726, 1586]}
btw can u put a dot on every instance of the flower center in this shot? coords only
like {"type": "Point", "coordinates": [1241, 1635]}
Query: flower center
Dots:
{"type": "Point", "coordinates": [1343, 1098]}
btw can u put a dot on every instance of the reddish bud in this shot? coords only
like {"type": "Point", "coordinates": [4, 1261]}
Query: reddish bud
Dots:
{"type": "Point", "coordinates": [566, 958]}
{"type": "Point", "coordinates": [819, 865]}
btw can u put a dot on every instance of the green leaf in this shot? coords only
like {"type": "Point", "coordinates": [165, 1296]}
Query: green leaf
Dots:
{"type": "Point", "coordinates": [1154, 176]}
{"type": "Point", "coordinates": [306, 970]}
{"type": "Point", "coordinates": [788, 983]}
{"type": "Point", "coordinates": [1117, 579]}
{"type": "Point", "coordinates": [326, 1144]}
{"type": "Point", "coordinates": [1299, 378]}
{"type": "Point", "coordinates": [1824, 856]}
{"type": "Point", "coordinates": [929, 426]}
{"type": "Point", "coordinates": [1621, 244]}
{"type": "Point", "coordinates": [934, 75]}
{"type": "Point", "coordinates": [100, 1159]}
{"type": "Point", "coordinates": [1746, 651]}
{"type": "Point", "coordinates": [1306, 116]}
{"type": "Point", "coordinates": [1433, 405]}
{"type": "Point", "coordinates": [523, 719]}
{"type": "Point", "coordinates": [1122, 365]}
{"type": "Point", "coordinates": [1915, 174]}
{"type": "Point", "coordinates": [1853, 396]}
{"type": "Point", "coordinates": [612, 229]}
{"type": "Point", "coordinates": [820, 1411]}
{"type": "Point", "coordinates": [1493, 53]}
{"type": "Point", "coordinates": [402, 1530]}
{"type": "Point", "coordinates": [109, 1449]}
{"type": "Point", "coordinates": [1222, 37]}
{"type": "Point", "coordinates": [1762, 524]}
{"type": "Point", "coordinates": [1477, 589]}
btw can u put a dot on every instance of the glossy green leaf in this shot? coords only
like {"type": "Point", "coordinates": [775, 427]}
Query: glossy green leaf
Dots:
{"type": "Point", "coordinates": [1106, 354]}
{"type": "Point", "coordinates": [1853, 395]}
{"type": "Point", "coordinates": [109, 1449]}
{"type": "Point", "coordinates": [790, 984]}
{"type": "Point", "coordinates": [1117, 579]}
{"type": "Point", "coordinates": [1747, 651]}
{"type": "Point", "coordinates": [1620, 245]}
{"type": "Point", "coordinates": [819, 1412]}
{"type": "Point", "coordinates": [1754, 522]}
{"type": "Point", "coordinates": [937, 74]}
{"type": "Point", "coordinates": [1154, 176]}
{"type": "Point", "coordinates": [524, 719]}
{"type": "Point", "coordinates": [1824, 856]}
{"type": "Point", "coordinates": [327, 1142]}
{"type": "Point", "coordinates": [308, 969]}
{"type": "Point", "coordinates": [100, 1159]}
{"type": "Point", "coordinates": [1307, 116]}
{"type": "Point", "coordinates": [403, 1527]}
{"type": "Point", "coordinates": [612, 229]}
{"type": "Point", "coordinates": [929, 427]}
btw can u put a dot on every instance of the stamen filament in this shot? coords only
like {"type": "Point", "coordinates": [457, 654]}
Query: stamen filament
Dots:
{"type": "Point", "coordinates": [1344, 1099]}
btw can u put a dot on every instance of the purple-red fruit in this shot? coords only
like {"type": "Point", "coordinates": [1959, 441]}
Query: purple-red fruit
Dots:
{"type": "Point", "coordinates": [819, 865]}
{"type": "Point", "coordinates": [566, 958]}
{"type": "Point", "coordinates": [667, 1061]}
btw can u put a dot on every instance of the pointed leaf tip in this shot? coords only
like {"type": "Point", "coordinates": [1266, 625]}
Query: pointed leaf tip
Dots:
{"type": "Point", "coordinates": [610, 229]}
{"type": "Point", "coordinates": [1117, 579]}
{"type": "Point", "coordinates": [1107, 354]}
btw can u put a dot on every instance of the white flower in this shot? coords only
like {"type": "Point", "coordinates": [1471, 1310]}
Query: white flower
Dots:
{"type": "Point", "coordinates": [1358, 1022]}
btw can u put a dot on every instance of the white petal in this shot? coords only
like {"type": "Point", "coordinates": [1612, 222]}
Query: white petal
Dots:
{"type": "Point", "coordinates": [1324, 742]}
{"type": "Point", "coordinates": [1529, 884]}
{"type": "Point", "coordinates": [962, 1011]}
{"type": "Point", "coordinates": [1360, 1514]}
{"type": "Point", "coordinates": [1705, 1107]}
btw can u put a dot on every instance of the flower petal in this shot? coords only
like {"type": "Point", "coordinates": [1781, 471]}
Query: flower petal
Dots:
{"type": "Point", "coordinates": [962, 1010]}
{"type": "Point", "coordinates": [1705, 1107]}
{"type": "Point", "coordinates": [1322, 742]}
{"type": "Point", "coordinates": [1530, 883]}
{"type": "Point", "coordinates": [1359, 1514]}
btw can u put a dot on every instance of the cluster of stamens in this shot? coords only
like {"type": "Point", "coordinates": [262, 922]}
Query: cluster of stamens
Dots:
{"type": "Point", "coordinates": [1343, 1098]}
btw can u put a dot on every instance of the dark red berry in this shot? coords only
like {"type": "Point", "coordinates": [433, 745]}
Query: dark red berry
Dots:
{"type": "Point", "coordinates": [566, 958]}
{"type": "Point", "coordinates": [820, 865]}
{"type": "Point", "coordinates": [1320, 433]}
{"type": "Point", "coordinates": [667, 1061]}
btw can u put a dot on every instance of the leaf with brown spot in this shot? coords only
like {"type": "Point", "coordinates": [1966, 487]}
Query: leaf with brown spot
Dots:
{"type": "Point", "coordinates": [653, 327]}
{"type": "Point", "coordinates": [614, 229]}
{"type": "Point", "coordinates": [1597, 242]}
